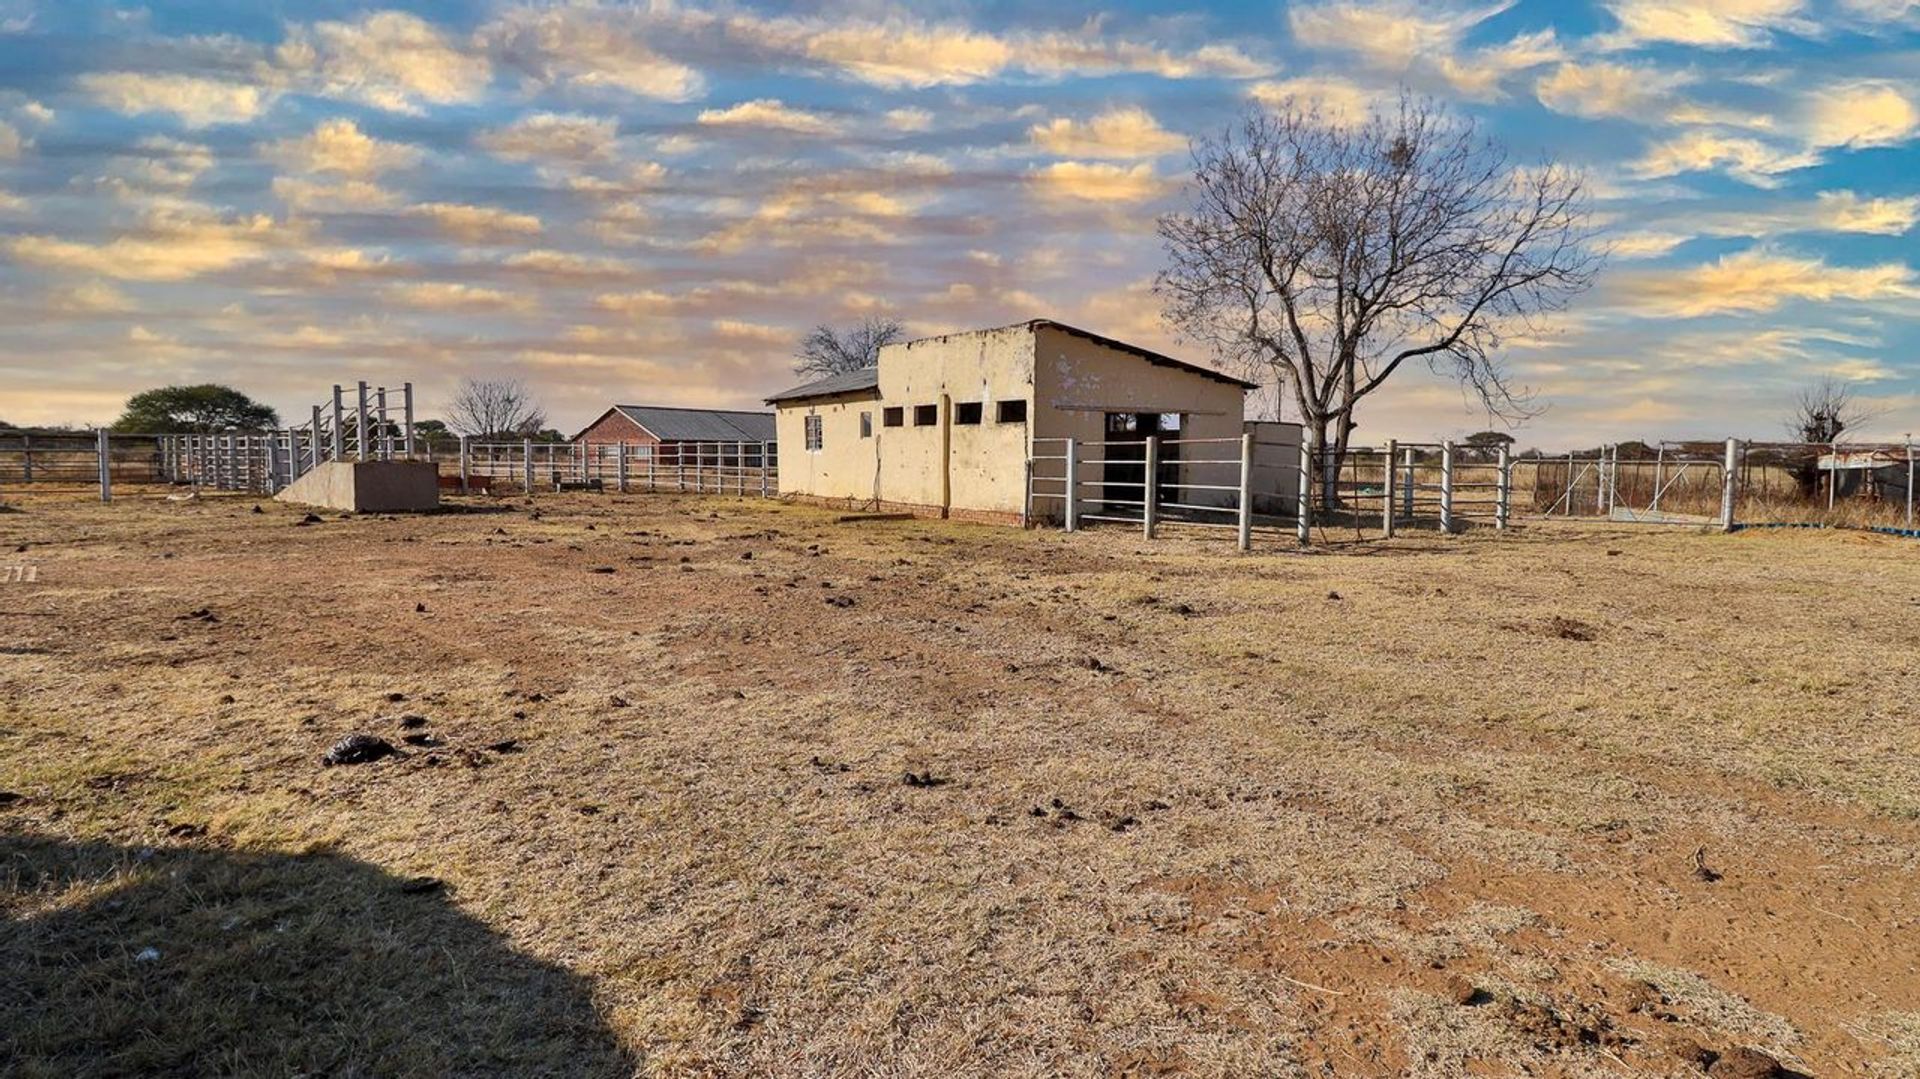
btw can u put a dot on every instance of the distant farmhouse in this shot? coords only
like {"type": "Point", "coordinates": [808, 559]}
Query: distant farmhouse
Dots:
{"type": "Point", "coordinates": [654, 425]}
{"type": "Point", "coordinates": [944, 426]}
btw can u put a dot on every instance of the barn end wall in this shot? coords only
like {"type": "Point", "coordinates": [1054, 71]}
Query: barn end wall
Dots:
{"type": "Point", "coordinates": [844, 467]}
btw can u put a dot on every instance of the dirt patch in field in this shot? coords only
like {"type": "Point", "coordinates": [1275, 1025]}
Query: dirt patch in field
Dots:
{"type": "Point", "coordinates": [778, 795]}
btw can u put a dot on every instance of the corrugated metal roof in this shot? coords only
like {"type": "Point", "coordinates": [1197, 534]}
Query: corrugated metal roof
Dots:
{"type": "Point", "coordinates": [700, 424]}
{"type": "Point", "coordinates": [865, 380]}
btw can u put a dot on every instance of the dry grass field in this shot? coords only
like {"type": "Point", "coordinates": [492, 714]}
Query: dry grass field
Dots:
{"type": "Point", "coordinates": [727, 788]}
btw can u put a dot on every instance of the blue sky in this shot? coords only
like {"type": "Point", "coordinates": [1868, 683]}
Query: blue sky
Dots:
{"type": "Point", "coordinates": [651, 202]}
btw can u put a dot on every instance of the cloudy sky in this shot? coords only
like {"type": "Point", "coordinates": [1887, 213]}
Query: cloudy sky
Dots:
{"type": "Point", "coordinates": [650, 202]}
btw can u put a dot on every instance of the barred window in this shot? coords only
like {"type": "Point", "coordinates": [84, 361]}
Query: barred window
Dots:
{"type": "Point", "coordinates": [813, 433]}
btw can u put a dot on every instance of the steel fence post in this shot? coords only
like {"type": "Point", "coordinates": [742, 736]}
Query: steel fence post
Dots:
{"type": "Point", "coordinates": [1150, 488]}
{"type": "Point", "coordinates": [1072, 517]}
{"type": "Point", "coordinates": [1503, 490]}
{"type": "Point", "coordinates": [1303, 512]}
{"type": "Point", "coordinates": [1244, 510]}
{"type": "Point", "coordinates": [1732, 465]}
{"type": "Point", "coordinates": [106, 465]}
{"type": "Point", "coordinates": [1446, 486]}
{"type": "Point", "coordinates": [1386, 488]}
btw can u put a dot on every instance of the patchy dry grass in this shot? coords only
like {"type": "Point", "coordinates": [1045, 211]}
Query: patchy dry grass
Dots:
{"type": "Point", "coordinates": [1430, 806]}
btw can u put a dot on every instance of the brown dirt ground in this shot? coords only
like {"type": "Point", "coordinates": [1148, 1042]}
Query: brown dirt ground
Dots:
{"type": "Point", "coordinates": [1432, 807]}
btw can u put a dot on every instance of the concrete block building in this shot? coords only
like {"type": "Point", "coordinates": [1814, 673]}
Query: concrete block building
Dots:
{"type": "Point", "coordinates": [944, 426]}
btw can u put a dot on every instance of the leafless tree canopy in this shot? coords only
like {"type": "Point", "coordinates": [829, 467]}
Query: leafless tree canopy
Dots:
{"type": "Point", "coordinates": [497, 407]}
{"type": "Point", "coordinates": [1826, 410]}
{"type": "Point", "coordinates": [826, 351]}
{"type": "Point", "coordinates": [1323, 256]}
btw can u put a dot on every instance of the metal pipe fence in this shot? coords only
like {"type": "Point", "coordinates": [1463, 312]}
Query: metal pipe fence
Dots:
{"type": "Point", "coordinates": [745, 469]}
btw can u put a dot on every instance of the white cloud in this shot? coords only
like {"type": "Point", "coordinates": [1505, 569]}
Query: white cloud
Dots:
{"type": "Point", "coordinates": [11, 144]}
{"type": "Point", "coordinates": [771, 114]}
{"type": "Point", "coordinates": [389, 59]}
{"type": "Point", "coordinates": [341, 148]}
{"type": "Point", "coordinates": [1844, 211]}
{"type": "Point", "coordinates": [1122, 133]}
{"type": "Point", "coordinates": [196, 101]}
{"type": "Point", "coordinates": [1645, 244]}
{"type": "Point", "coordinates": [550, 136]}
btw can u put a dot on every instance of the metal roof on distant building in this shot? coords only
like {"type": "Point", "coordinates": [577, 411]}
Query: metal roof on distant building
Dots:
{"type": "Point", "coordinates": [865, 380]}
{"type": "Point", "coordinates": [699, 424]}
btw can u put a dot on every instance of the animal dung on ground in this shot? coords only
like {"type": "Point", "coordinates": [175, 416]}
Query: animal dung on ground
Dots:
{"type": "Point", "coordinates": [924, 779]}
{"type": "Point", "coordinates": [412, 721]}
{"type": "Point", "coordinates": [422, 886]}
{"type": "Point", "coordinates": [505, 745]}
{"type": "Point", "coordinates": [358, 749]}
{"type": "Point", "coordinates": [840, 601]}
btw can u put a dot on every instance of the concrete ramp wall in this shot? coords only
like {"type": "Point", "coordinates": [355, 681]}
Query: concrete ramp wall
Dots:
{"type": "Point", "coordinates": [368, 487]}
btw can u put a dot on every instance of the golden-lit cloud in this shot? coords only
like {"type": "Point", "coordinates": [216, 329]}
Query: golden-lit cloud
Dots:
{"type": "Point", "coordinates": [1844, 211]}
{"type": "Point", "coordinates": [1645, 244]}
{"type": "Point", "coordinates": [550, 136]}
{"type": "Point", "coordinates": [1747, 159]}
{"type": "Point", "coordinates": [92, 298]}
{"type": "Point", "coordinates": [1604, 88]}
{"type": "Point", "coordinates": [769, 114]}
{"type": "Point", "coordinates": [1759, 280]}
{"type": "Point", "coordinates": [1862, 114]}
{"type": "Point", "coordinates": [642, 302]}
{"type": "Point", "coordinates": [478, 224]}
{"type": "Point", "coordinates": [1121, 133]}
{"type": "Point", "coordinates": [589, 47]}
{"type": "Point", "coordinates": [10, 142]}
{"type": "Point", "coordinates": [389, 59]}
{"type": "Point", "coordinates": [300, 193]}
{"type": "Point", "coordinates": [339, 147]}
{"type": "Point", "coordinates": [1098, 182]}
{"type": "Point", "coordinates": [908, 53]}
{"type": "Point", "coordinates": [1712, 24]}
{"type": "Point", "coordinates": [454, 296]}
{"type": "Point", "coordinates": [169, 245]}
{"type": "Point", "coordinates": [1424, 38]}
{"type": "Point", "coordinates": [1332, 97]}
{"type": "Point", "coordinates": [909, 119]}
{"type": "Point", "coordinates": [160, 162]}
{"type": "Point", "coordinates": [195, 101]}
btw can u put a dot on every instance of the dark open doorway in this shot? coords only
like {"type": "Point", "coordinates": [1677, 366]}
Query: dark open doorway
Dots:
{"type": "Point", "coordinates": [1125, 472]}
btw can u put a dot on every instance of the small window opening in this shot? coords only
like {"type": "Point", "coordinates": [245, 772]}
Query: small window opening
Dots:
{"type": "Point", "coordinates": [1010, 412]}
{"type": "Point", "coordinates": [866, 425]}
{"type": "Point", "coordinates": [813, 433]}
{"type": "Point", "coordinates": [926, 415]}
{"type": "Point", "coordinates": [893, 417]}
{"type": "Point", "coordinates": [967, 412]}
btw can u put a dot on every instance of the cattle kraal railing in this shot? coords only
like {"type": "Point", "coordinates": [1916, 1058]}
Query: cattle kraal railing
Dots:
{"type": "Point", "coordinates": [265, 462]}
{"type": "Point", "coordinates": [1375, 491]}
{"type": "Point", "coordinates": [745, 469]}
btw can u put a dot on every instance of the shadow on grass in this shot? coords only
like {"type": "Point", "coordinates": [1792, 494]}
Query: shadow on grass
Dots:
{"type": "Point", "coordinates": [184, 961]}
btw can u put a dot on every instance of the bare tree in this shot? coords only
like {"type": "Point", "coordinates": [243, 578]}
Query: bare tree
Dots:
{"type": "Point", "coordinates": [1323, 256]}
{"type": "Point", "coordinates": [1822, 413]}
{"type": "Point", "coordinates": [496, 407]}
{"type": "Point", "coordinates": [826, 351]}
{"type": "Point", "coordinates": [1827, 409]}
